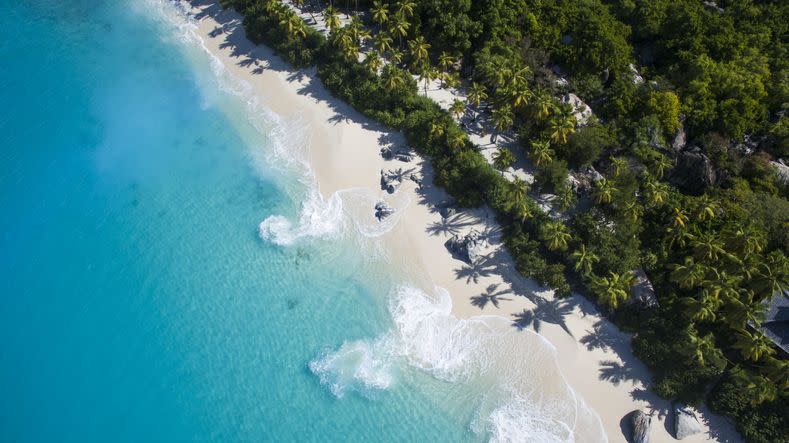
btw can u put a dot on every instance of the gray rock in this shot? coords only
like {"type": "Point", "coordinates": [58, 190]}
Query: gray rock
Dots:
{"type": "Point", "coordinates": [404, 156]}
{"type": "Point", "coordinates": [391, 180]}
{"type": "Point", "coordinates": [640, 424]}
{"type": "Point", "coordinates": [635, 77]}
{"type": "Point", "coordinates": [680, 139]}
{"type": "Point", "coordinates": [783, 172]}
{"type": "Point", "coordinates": [581, 110]}
{"type": "Point", "coordinates": [694, 172]}
{"type": "Point", "coordinates": [468, 247]}
{"type": "Point", "coordinates": [383, 210]}
{"type": "Point", "coordinates": [643, 291]}
{"type": "Point", "coordinates": [686, 423]}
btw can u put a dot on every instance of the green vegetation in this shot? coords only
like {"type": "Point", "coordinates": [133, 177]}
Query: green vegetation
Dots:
{"type": "Point", "coordinates": [709, 226]}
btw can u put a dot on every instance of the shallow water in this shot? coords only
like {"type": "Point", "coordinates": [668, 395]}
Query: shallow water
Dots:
{"type": "Point", "coordinates": [142, 298]}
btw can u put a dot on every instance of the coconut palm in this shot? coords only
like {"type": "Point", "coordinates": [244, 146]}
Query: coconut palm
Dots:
{"type": "Point", "coordinates": [565, 196]}
{"type": "Point", "coordinates": [703, 349]}
{"type": "Point", "coordinates": [555, 235]}
{"type": "Point", "coordinates": [399, 27]}
{"type": "Point", "coordinates": [603, 191]}
{"type": "Point", "coordinates": [772, 275]}
{"type": "Point", "coordinates": [417, 49]}
{"type": "Point", "coordinates": [331, 18]}
{"type": "Point", "coordinates": [437, 130]}
{"type": "Point", "coordinates": [632, 211]}
{"type": "Point", "coordinates": [457, 108]}
{"type": "Point", "coordinates": [518, 189]}
{"type": "Point", "coordinates": [294, 25]}
{"type": "Point", "coordinates": [503, 158]}
{"type": "Point", "coordinates": [584, 260]}
{"type": "Point", "coordinates": [680, 218]}
{"type": "Point", "coordinates": [561, 126]}
{"type": "Point", "coordinates": [655, 192]}
{"type": "Point", "coordinates": [541, 153]}
{"type": "Point", "coordinates": [662, 164]}
{"type": "Point", "coordinates": [523, 210]}
{"type": "Point", "coordinates": [445, 61]}
{"type": "Point", "coordinates": [520, 96]}
{"type": "Point", "coordinates": [406, 8]}
{"type": "Point", "coordinates": [758, 388]}
{"type": "Point", "coordinates": [380, 12]}
{"type": "Point", "coordinates": [618, 165]}
{"type": "Point", "coordinates": [753, 345]}
{"type": "Point", "coordinates": [502, 118]}
{"type": "Point", "coordinates": [477, 94]}
{"type": "Point", "coordinates": [705, 209]}
{"type": "Point", "coordinates": [393, 78]}
{"type": "Point", "coordinates": [614, 289]}
{"type": "Point", "coordinates": [426, 74]}
{"type": "Point", "coordinates": [382, 42]}
{"type": "Point", "coordinates": [744, 240]}
{"type": "Point", "coordinates": [542, 105]}
{"type": "Point", "coordinates": [373, 62]}
{"type": "Point", "coordinates": [396, 57]}
{"type": "Point", "coordinates": [457, 140]}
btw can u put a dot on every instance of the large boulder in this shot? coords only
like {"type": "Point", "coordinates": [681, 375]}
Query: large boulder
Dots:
{"type": "Point", "coordinates": [640, 424]}
{"type": "Point", "coordinates": [679, 140]}
{"type": "Point", "coordinates": [391, 180]}
{"type": "Point", "coordinates": [383, 210]}
{"type": "Point", "coordinates": [686, 422]}
{"type": "Point", "coordinates": [468, 248]}
{"type": "Point", "coordinates": [694, 172]}
{"type": "Point", "coordinates": [643, 291]}
{"type": "Point", "coordinates": [581, 110]}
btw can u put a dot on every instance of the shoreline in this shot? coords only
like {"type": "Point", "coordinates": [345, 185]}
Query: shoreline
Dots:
{"type": "Point", "coordinates": [595, 357]}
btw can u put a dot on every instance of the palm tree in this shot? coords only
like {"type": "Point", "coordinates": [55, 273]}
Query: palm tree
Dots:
{"type": "Point", "coordinates": [542, 105]}
{"type": "Point", "coordinates": [520, 96]}
{"type": "Point", "coordinates": [458, 108]}
{"type": "Point", "coordinates": [457, 140]}
{"type": "Point", "coordinates": [445, 61]}
{"type": "Point", "coordinates": [399, 27]}
{"type": "Point", "coordinates": [760, 389]}
{"type": "Point", "coordinates": [417, 49]}
{"type": "Point", "coordinates": [632, 212]}
{"type": "Point", "coordinates": [477, 94]}
{"type": "Point", "coordinates": [655, 192]}
{"type": "Point", "coordinates": [584, 260]}
{"type": "Point", "coordinates": [772, 275]}
{"type": "Point", "coordinates": [753, 345]}
{"type": "Point", "coordinates": [294, 25]}
{"type": "Point", "coordinates": [382, 43]}
{"type": "Point", "coordinates": [331, 18]}
{"type": "Point", "coordinates": [437, 130]}
{"type": "Point", "coordinates": [555, 234]}
{"type": "Point", "coordinates": [518, 189]}
{"type": "Point", "coordinates": [565, 196]}
{"type": "Point", "coordinates": [703, 350]}
{"type": "Point", "coordinates": [680, 218]}
{"type": "Point", "coordinates": [613, 289]}
{"type": "Point", "coordinates": [603, 192]}
{"type": "Point", "coordinates": [380, 12]}
{"type": "Point", "coordinates": [619, 165]}
{"type": "Point", "coordinates": [705, 209]}
{"type": "Point", "coordinates": [523, 210]}
{"type": "Point", "coordinates": [502, 118]}
{"type": "Point", "coordinates": [373, 62]}
{"type": "Point", "coordinates": [396, 57]}
{"type": "Point", "coordinates": [662, 164]}
{"type": "Point", "coordinates": [406, 8]}
{"type": "Point", "coordinates": [503, 158]}
{"type": "Point", "coordinates": [426, 74]}
{"type": "Point", "coordinates": [541, 153]}
{"type": "Point", "coordinates": [561, 127]}
{"type": "Point", "coordinates": [393, 78]}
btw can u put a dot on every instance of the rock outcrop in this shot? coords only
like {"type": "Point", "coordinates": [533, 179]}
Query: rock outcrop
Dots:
{"type": "Point", "coordinates": [680, 139]}
{"type": "Point", "coordinates": [640, 424]}
{"type": "Point", "coordinates": [686, 423]}
{"type": "Point", "coordinates": [581, 110]}
{"type": "Point", "coordinates": [446, 208]}
{"type": "Point", "coordinates": [643, 291]}
{"type": "Point", "coordinates": [783, 172]}
{"type": "Point", "coordinates": [391, 180]}
{"type": "Point", "coordinates": [468, 248]}
{"type": "Point", "coordinates": [694, 172]}
{"type": "Point", "coordinates": [383, 210]}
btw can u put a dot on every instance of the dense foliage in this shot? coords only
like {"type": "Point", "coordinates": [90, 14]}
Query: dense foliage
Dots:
{"type": "Point", "coordinates": [687, 102]}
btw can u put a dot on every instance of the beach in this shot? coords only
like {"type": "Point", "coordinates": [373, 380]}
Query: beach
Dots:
{"type": "Point", "coordinates": [343, 152]}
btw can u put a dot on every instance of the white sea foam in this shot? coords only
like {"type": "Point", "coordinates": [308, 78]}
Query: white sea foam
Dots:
{"type": "Point", "coordinates": [360, 366]}
{"type": "Point", "coordinates": [524, 397]}
{"type": "Point", "coordinates": [319, 218]}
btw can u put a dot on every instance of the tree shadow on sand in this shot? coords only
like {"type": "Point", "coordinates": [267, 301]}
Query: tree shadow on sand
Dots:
{"type": "Point", "coordinates": [482, 267]}
{"type": "Point", "coordinates": [450, 225]}
{"type": "Point", "coordinates": [601, 336]}
{"type": "Point", "coordinates": [616, 372]}
{"type": "Point", "coordinates": [491, 295]}
{"type": "Point", "coordinates": [547, 311]}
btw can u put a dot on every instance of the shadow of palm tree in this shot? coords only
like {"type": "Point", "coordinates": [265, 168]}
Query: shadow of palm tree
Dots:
{"type": "Point", "coordinates": [491, 295]}
{"type": "Point", "coordinates": [472, 272]}
{"type": "Point", "coordinates": [601, 336]}
{"type": "Point", "coordinates": [616, 372]}
{"type": "Point", "coordinates": [548, 311]}
{"type": "Point", "coordinates": [653, 404]}
{"type": "Point", "coordinates": [452, 225]}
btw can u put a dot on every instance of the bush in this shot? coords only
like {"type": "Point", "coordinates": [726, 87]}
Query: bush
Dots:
{"type": "Point", "coordinates": [766, 423]}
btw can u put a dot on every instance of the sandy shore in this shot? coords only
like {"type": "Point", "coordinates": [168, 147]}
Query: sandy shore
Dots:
{"type": "Point", "coordinates": [344, 153]}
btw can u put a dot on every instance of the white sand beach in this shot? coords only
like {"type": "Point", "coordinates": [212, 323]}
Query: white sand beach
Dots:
{"type": "Point", "coordinates": [344, 151]}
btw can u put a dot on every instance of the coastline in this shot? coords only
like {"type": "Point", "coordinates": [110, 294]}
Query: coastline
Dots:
{"type": "Point", "coordinates": [595, 357]}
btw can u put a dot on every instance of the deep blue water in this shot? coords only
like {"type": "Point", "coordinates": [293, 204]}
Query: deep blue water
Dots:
{"type": "Point", "coordinates": [137, 302]}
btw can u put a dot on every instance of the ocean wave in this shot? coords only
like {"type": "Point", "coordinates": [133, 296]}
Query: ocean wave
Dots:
{"type": "Point", "coordinates": [516, 374]}
{"type": "Point", "coordinates": [318, 218]}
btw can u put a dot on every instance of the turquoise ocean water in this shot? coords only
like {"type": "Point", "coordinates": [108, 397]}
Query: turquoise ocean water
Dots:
{"type": "Point", "coordinates": [138, 300]}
